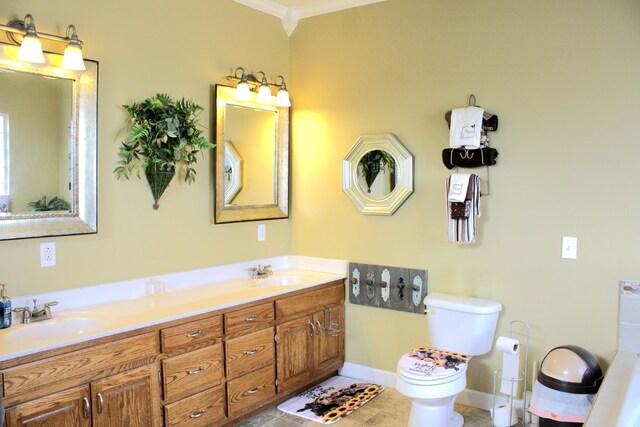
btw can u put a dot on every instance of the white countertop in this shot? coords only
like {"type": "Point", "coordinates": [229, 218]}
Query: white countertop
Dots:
{"type": "Point", "coordinates": [124, 306]}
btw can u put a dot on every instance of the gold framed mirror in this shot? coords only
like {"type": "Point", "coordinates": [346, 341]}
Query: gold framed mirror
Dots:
{"type": "Point", "coordinates": [48, 144]}
{"type": "Point", "coordinates": [377, 174]}
{"type": "Point", "coordinates": [258, 134]}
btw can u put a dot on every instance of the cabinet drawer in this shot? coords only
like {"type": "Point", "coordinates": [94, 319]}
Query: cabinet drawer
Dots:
{"type": "Point", "coordinates": [249, 353]}
{"type": "Point", "coordinates": [309, 301]}
{"type": "Point", "coordinates": [78, 367]}
{"type": "Point", "coordinates": [195, 334]}
{"type": "Point", "coordinates": [248, 318]}
{"type": "Point", "coordinates": [249, 391]}
{"type": "Point", "coordinates": [193, 370]}
{"type": "Point", "coordinates": [202, 409]}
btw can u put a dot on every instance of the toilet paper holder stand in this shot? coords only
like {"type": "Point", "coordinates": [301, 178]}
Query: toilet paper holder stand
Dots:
{"type": "Point", "coordinates": [507, 409]}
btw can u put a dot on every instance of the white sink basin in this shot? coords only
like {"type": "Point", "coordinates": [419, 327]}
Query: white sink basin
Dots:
{"type": "Point", "coordinates": [64, 326]}
{"type": "Point", "coordinates": [281, 280]}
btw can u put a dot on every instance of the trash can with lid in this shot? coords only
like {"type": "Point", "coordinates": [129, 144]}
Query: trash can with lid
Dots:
{"type": "Point", "coordinates": [566, 387]}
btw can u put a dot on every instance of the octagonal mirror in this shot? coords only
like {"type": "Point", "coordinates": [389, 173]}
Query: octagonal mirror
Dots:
{"type": "Point", "coordinates": [377, 174]}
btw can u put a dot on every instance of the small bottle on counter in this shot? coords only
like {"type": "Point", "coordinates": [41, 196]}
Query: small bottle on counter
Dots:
{"type": "Point", "coordinates": [5, 308]}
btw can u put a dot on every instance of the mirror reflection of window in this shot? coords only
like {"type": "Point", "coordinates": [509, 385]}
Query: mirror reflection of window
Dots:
{"type": "Point", "coordinates": [42, 137]}
{"type": "Point", "coordinates": [5, 201]}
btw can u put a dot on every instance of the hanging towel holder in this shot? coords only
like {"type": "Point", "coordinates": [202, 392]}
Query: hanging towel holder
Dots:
{"type": "Point", "coordinates": [464, 157]}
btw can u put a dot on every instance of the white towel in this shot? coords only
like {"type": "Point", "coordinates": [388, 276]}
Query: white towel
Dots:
{"type": "Point", "coordinates": [466, 127]}
{"type": "Point", "coordinates": [464, 230]}
{"type": "Point", "coordinates": [459, 184]}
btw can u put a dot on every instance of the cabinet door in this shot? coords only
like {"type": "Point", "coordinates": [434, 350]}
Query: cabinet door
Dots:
{"type": "Point", "coordinates": [328, 343]}
{"type": "Point", "coordinates": [293, 348]}
{"type": "Point", "coordinates": [129, 399]}
{"type": "Point", "coordinates": [66, 408]}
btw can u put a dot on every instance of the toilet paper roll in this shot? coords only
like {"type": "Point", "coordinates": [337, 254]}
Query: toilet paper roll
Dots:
{"type": "Point", "coordinates": [510, 349]}
{"type": "Point", "coordinates": [503, 415]}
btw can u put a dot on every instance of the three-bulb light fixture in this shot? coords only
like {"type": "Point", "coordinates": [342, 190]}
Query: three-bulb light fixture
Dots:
{"type": "Point", "coordinates": [250, 81]}
{"type": "Point", "coordinates": [24, 34]}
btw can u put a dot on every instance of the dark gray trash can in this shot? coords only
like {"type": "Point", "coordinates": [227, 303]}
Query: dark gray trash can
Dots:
{"type": "Point", "coordinates": [567, 383]}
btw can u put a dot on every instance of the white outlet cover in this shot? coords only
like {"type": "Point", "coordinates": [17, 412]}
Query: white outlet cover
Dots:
{"type": "Point", "coordinates": [47, 254]}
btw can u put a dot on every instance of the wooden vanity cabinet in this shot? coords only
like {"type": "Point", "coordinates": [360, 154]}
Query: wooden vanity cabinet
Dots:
{"type": "Point", "coordinates": [312, 343]}
{"type": "Point", "coordinates": [193, 373]}
{"type": "Point", "coordinates": [110, 384]}
{"type": "Point", "coordinates": [67, 408]}
{"type": "Point", "coordinates": [210, 369]}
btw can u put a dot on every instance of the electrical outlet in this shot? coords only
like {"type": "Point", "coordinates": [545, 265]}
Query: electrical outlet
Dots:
{"type": "Point", "coordinates": [47, 254]}
{"type": "Point", "coordinates": [262, 232]}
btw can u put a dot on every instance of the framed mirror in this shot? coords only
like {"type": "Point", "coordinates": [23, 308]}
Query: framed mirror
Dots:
{"type": "Point", "coordinates": [251, 159]}
{"type": "Point", "coordinates": [48, 140]}
{"type": "Point", "coordinates": [377, 174]}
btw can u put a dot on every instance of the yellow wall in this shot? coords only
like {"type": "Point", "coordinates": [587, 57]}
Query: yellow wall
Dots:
{"type": "Point", "coordinates": [561, 75]}
{"type": "Point", "coordinates": [145, 47]}
{"type": "Point", "coordinates": [563, 78]}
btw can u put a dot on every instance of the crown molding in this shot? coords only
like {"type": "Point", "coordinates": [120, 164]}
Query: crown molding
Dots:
{"type": "Point", "coordinates": [266, 6]}
{"type": "Point", "coordinates": [290, 15]}
{"type": "Point", "coordinates": [328, 6]}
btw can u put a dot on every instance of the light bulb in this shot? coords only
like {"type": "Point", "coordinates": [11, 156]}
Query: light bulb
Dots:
{"type": "Point", "coordinates": [264, 95]}
{"type": "Point", "coordinates": [73, 58]}
{"type": "Point", "coordinates": [243, 92]}
{"type": "Point", "coordinates": [282, 100]}
{"type": "Point", "coordinates": [31, 50]}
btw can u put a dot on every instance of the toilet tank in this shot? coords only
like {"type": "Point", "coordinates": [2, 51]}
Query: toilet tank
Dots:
{"type": "Point", "coordinates": [461, 324]}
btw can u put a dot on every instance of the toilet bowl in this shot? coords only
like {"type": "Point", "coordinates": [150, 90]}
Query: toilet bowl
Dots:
{"type": "Point", "coordinates": [433, 377]}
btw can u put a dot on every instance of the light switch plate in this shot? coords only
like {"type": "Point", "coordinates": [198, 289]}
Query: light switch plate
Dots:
{"type": "Point", "coordinates": [569, 247]}
{"type": "Point", "coordinates": [262, 232]}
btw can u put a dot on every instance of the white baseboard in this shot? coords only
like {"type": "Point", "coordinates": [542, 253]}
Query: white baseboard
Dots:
{"type": "Point", "coordinates": [468, 397]}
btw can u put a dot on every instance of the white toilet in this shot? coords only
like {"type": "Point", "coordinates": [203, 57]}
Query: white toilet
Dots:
{"type": "Point", "coordinates": [459, 327]}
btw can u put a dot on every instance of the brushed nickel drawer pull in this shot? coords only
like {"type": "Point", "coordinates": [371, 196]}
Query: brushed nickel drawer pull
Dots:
{"type": "Point", "coordinates": [100, 403]}
{"type": "Point", "coordinates": [313, 328]}
{"type": "Point", "coordinates": [194, 334]}
{"type": "Point", "coordinates": [319, 327]}
{"type": "Point", "coordinates": [197, 414]}
{"type": "Point", "coordinates": [251, 319]}
{"type": "Point", "coordinates": [195, 371]}
{"type": "Point", "coordinates": [253, 390]}
{"type": "Point", "coordinates": [251, 352]}
{"type": "Point", "coordinates": [87, 407]}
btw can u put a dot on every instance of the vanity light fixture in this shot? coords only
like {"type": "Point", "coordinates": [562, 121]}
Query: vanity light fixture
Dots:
{"type": "Point", "coordinates": [249, 82]}
{"type": "Point", "coordinates": [24, 34]}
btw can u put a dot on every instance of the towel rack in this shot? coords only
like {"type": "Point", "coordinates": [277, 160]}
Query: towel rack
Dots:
{"type": "Point", "coordinates": [464, 157]}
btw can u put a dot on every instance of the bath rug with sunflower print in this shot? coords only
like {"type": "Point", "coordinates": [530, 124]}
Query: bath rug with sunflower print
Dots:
{"type": "Point", "coordinates": [331, 400]}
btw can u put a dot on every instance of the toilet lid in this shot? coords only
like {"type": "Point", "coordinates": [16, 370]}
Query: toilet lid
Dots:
{"type": "Point", "coordinates": [428, 362]}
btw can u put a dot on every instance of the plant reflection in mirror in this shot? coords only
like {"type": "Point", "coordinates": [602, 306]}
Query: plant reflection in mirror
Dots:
{"type": "Point", "coordinates": [53, 204]}
{"type": "Point", "coordinates": [373, 162]}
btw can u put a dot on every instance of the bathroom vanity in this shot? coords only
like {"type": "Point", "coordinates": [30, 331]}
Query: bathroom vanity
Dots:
{"type": "Point", "coordinates": [207, 368]}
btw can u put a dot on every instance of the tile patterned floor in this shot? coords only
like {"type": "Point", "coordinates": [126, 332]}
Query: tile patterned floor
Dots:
{"type": "Point", "coordinates": [389, 409]}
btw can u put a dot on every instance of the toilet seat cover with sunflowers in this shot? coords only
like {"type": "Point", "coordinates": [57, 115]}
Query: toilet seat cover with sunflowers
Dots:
{"type": "Point", "coordinates": [433, 363]}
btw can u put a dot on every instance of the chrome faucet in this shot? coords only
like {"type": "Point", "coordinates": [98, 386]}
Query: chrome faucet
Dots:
{"type": "Point", "coordinates": [260, 271]}
{"type": "Point", "coordinates": [36, 314]}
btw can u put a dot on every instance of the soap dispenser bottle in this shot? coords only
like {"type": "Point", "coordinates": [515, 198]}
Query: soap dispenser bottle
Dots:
{"type": "Point", "coordinates": [5, 309]}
